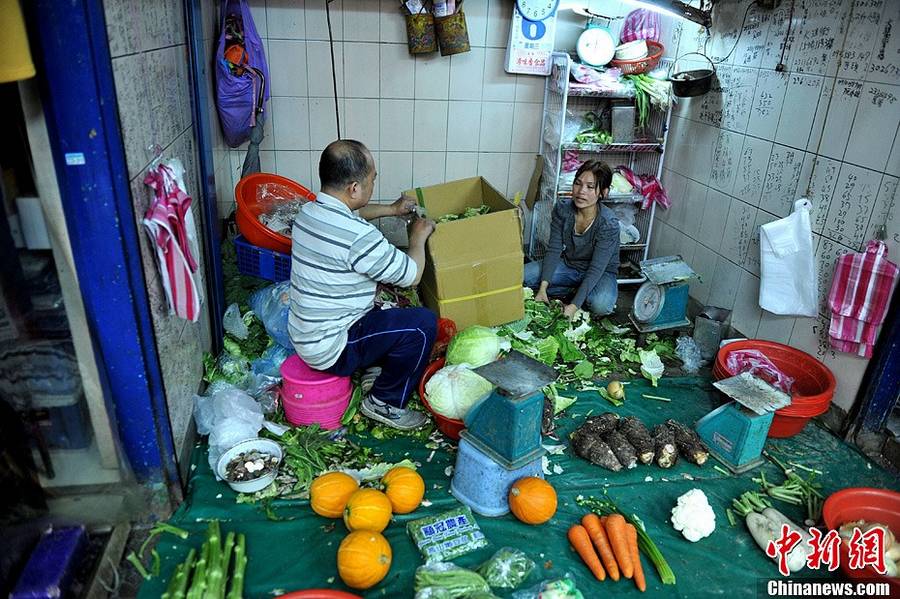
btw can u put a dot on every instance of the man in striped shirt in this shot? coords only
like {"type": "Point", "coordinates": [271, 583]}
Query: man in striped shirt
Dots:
{"type": "Point", "coordinates": [338, 258]}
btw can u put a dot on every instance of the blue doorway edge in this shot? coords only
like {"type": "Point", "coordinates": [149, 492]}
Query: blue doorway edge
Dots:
{"type": "Point", "coordinates": [71, 52]}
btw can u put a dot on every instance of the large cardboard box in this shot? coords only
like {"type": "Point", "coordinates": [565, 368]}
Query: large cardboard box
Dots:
{"type": "Point", "coordinates": [473, 272]}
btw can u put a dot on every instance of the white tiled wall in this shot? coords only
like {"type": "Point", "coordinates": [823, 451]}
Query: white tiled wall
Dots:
{"type": "Point", "coordinates": [738, 157]}
{"type": "Point", "coordinates": [427, 118]}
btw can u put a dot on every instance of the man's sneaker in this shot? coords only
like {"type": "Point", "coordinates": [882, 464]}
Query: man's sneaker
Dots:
{"type": "Point", "coordinates": [368, 378]}
{"type": "Point", "coordinates": [398, 418]}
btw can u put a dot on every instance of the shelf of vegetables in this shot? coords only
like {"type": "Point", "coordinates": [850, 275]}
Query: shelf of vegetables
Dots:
{"type": "Point", "coordinates": [576, 126]}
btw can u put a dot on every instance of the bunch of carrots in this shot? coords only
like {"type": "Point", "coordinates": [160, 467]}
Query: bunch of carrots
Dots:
{"type": "Point", "coordinates": [609, 545]}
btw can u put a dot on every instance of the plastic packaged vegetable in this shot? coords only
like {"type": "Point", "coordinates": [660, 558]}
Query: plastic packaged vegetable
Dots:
{"type": "Point", "coordinates": [559, 588]}
{"type": "Point", "coordinates": [440, 580]}
{"type": "Point", "coordinates": [447, 535]}
{"type": "Point", "coordinates": [506, 569]}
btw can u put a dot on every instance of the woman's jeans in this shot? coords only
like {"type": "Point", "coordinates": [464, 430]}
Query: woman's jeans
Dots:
{"type": "Point", "coordinates": [601, 299]}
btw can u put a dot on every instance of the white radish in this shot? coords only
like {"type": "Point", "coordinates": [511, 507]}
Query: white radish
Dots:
{"type": "Point", "coordinates": [766, 527]}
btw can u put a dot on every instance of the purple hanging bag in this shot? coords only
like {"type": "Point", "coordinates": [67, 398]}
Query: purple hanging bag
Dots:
{"type": "Point", "coordinates": [242, 87]}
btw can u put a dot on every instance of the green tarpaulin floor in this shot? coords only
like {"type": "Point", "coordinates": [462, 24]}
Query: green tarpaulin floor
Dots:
{"type": "Point", "coordinates": [300, 552]}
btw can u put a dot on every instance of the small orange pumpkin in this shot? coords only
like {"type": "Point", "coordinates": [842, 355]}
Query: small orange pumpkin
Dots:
{"type": "Point", "coordinates": [367, 509]}
{"type": "Point", "coordinates": [328, 494]}
{"type": "Point", "coordinates": [363, 559]}
{"type": "Point", "coordinates": [405, 489]}
{"type": "Point", "coordinates": [532, 500]}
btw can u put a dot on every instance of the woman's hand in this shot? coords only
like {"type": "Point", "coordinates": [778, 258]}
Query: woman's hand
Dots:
{"type": "Point", "coordinates": [541, 296]}
{"type": "Point", "coordinates": [570, 311]}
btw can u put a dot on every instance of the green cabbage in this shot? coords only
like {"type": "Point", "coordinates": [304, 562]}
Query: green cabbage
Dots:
{"type": "Point", "coordinates": [454, 389]}
{"type": "Point", "coordinates": [475, 346]}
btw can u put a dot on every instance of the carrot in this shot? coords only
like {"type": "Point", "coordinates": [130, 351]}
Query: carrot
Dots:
{"type": "Point", "coordinates": [603, 520]}
{"type": "Point", "coordinates": [618, 540]}
{"type": "Point", "coordinates": [581, 542]}
{"type": "Point", "coordinates": [594, 527]}
{"type": "Point", "coordinates": [639, 579]}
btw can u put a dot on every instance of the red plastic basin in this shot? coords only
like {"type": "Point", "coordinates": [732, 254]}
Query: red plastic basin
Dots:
{"type": "Point", "coordinates": [249, 207]}
{"type": "Point", "coordinates": [813, 389]}
{"type": "Point", "coordinates": [451, 427]}
{"type": "Point", "coordinates": [813, 381]}
{"type": "Point", "coordinates": [863, 503]}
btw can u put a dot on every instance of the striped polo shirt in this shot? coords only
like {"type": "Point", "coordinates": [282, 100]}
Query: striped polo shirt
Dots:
{"type": "Point", "coordinates": [337, 260]}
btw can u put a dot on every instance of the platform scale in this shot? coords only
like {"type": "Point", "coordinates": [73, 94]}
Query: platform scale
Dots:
{"type": "Point", "coordinates": [661, 302]}
{"type": "Point", "coordinates": [502, 439]}
{"type": "Point", "coordinates": [736, 432]}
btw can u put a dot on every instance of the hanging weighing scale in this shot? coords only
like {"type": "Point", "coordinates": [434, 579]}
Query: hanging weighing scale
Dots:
{"type": "Point", "coordinates": [736, 432]}
{"type": "Point", "coordinates": [502, 439]}
{"type": "Point", "coordinates": [596, 45]}
{"type": "Point", "coordinates": [531, 37]}
{"type": "Point", "coordinates": [661, 302]}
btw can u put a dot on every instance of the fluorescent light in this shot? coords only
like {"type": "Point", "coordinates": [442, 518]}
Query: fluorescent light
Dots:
{"type": "Point", "coordinates": [675, 8]}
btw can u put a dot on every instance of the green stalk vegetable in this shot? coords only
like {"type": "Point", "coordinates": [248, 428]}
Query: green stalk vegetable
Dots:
{"type": "Point", "coordinates": [240, 564]}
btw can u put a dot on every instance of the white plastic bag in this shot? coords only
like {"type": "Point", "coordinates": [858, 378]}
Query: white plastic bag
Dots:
{"type": "Point", "coordinates": [787, 264]}
{"type": "Point", "coordinates": [228, 416]}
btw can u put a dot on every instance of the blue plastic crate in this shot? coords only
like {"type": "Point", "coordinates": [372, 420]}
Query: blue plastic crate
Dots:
{"type": "Point", "coordinates": [261, 262]}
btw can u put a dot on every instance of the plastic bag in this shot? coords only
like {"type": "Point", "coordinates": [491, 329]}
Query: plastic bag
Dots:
{"type": "Point", "coordinates": [688, 352]}
{"type": "Point", "coordinates": [447, 535]}
{"type": "Point", "coordinates": [280, 205]}
{"type": "Point", "coordinates": [506, 569]}
{"type": "Point", "coordinates": [787, 282]}
{"type": "Point", "coordinates": [233, 322]}
{"type": "Point", "coordinates": [756, 363]}
{"type": "Point", "coordinates": [641, 24]}
{"type": "Point", "coordinates": [558, 588]}
{"type": "Point", "coordinates": [269, 363]}
{"type": "Point", "coordinates": [438, 580]}
{"type": "Point", "coordinates": [272, 305]}
{"type": "Point", "coordinates": [228, 416]}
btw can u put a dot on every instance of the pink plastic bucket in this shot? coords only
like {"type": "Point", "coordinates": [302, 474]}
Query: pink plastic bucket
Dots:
{"type": "Point", "coordinates": [311, 396]}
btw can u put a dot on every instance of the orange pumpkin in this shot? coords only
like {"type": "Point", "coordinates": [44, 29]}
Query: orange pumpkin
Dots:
{"type": "Point", "coordinates": [329, 493]}
{"type": "Point", "coordinates": [367, 509]}
{"type": "Point", "coordinates": [363, 559]}
{"type": "Point", "coordinates": [405, 489]}
{"type": "Point", "coordinates": [532, 500]}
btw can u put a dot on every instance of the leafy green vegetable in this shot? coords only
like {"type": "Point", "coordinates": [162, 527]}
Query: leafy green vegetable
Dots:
{"type": "Point", "coordinates": [651, 366]}
{"type": "Point", "coordinates": [469, 213]}
{"type": "Point", "coordinates": [584, 370]}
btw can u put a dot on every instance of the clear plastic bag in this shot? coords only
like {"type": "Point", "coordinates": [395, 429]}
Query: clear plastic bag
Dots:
{"type": "Point", "coordinates": [280, 205]}
{"type": "Point", "coordinates": [234, 324]}
{"type": "Point", "coordinates": [228, 416]}
{"type": "Point", "coordinates": [506, 569]}
{"type": "Point", "coordinates": [272, 305]}
{"type": "Point", "coordinates": [443, 580]}
{"type": "Point", "coordinates": [557, 588]}
{"type": "Point", "coordinates": [688, 352]}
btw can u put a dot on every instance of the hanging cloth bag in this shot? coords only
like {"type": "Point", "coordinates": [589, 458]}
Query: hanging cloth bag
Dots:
{"type": "Point", "coordinates": [787, 268]}
{"type": "Point", "coordinates": [242, 87]}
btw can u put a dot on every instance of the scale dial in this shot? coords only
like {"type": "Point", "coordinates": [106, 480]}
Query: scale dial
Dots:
{"type": "Point", "coordinates": [537, 10]}
{"type": "Point", "coordinates": [596, 46]}
{"type": "Point", "coordinates": [648, 302]}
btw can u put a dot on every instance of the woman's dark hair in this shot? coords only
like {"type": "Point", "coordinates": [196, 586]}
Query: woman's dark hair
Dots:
{"type": "Point", "coordinates": [342, 163]}
{"type": "Point", "coordinates": [602, 173]}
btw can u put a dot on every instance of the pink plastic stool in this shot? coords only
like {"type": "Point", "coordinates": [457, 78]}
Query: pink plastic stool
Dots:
{"type": "Point", "coordinates": [312, 396]}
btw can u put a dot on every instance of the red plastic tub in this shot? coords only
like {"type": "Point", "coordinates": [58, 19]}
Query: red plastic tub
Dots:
{"type": "Point", "coordinates": [249, 207]}
{"type": "Point", "coordinates": [863, 503]}
{"type": "Point", "coordinates": [813, 388]}
{"type": "Point", "coordinates": [451, 427]}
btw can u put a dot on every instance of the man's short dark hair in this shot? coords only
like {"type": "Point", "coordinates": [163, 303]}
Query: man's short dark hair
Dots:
{"type": "Point", "coordinates": [343, 162]}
